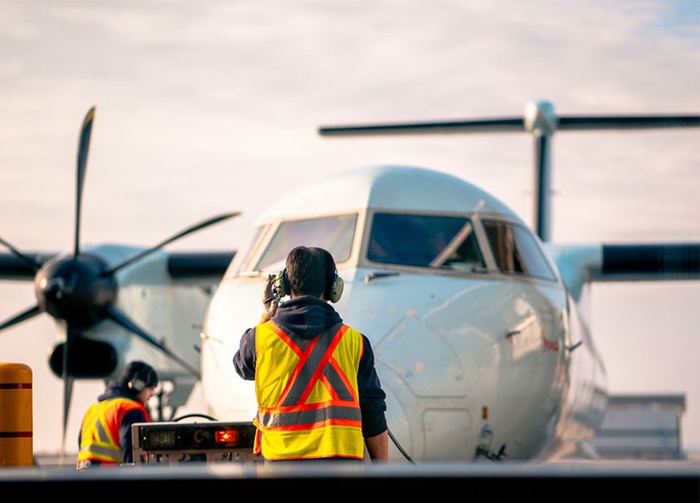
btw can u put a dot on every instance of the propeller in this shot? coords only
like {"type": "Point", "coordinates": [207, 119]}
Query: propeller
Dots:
{"type": "Point", "coordinates": [80, 290]}
{"type": "Point", "coordinates": [540, 120]}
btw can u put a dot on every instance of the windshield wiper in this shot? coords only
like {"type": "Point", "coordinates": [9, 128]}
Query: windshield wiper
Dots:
{"type": "Point", "coordinates": [376, 275]}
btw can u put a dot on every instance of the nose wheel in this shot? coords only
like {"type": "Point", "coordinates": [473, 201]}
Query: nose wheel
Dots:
{"type": "Point", "coordinates": [484, 447]}
{"type": "Point", "coordinates": [488, 454]}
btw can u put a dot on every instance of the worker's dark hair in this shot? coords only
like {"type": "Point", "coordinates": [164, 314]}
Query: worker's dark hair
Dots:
{"type": "Point", "coordinates": [310, 271]}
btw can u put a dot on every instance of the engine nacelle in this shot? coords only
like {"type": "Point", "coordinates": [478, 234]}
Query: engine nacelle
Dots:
{"type": "Point", "coordinates": [89, 359]}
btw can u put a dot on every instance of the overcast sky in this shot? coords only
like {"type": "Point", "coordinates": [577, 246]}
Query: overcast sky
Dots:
{"type": "Point", "coordinates": [204, 107]}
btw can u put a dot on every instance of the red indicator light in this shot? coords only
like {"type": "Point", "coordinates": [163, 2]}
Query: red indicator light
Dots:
{"type": "Point", "coordinates": [225, 436]}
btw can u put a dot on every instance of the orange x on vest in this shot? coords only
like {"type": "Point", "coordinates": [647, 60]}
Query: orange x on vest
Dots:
{"type": "Point", "coordinates": [316, 363]}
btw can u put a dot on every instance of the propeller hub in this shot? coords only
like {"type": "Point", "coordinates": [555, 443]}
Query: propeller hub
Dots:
{"type": "Point", "coordinates": [75, 290]}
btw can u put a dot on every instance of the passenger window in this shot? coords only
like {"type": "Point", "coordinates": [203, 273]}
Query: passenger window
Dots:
{"type": "Point", "coordinates": [424, 241]}
{"type": "Point", "coordinates": [335, 234]}
{"type": "Point", "coordinates": [516, 250]}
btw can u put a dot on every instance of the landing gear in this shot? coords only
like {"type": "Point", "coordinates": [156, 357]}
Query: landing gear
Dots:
{"type": "Point", "coordinates": [484, 447]}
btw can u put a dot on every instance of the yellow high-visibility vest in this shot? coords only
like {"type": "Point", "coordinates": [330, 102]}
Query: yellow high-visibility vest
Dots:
{"type": "Point", "coordinates": [308, 401]}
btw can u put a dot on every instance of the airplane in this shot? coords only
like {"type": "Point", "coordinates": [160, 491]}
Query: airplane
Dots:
{"type": "Point", "coordinates": [472, 314]}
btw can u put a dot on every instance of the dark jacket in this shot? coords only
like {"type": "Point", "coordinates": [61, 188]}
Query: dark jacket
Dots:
{"type": "Point", "coordinates": [307, 317]}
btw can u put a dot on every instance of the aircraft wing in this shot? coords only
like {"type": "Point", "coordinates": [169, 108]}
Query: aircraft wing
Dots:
{"type": "Point", "coordinates": [580, 264]}
{"type": "Point", "coordinates": [182, 266]}
{"type": "Point", "coordinates": [196, 266]}
{"type": "Point", "coordinates": [13, 267]}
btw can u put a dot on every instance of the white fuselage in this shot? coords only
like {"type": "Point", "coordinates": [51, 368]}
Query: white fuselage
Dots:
{"type": "Point", "coordinates": [472, 359]}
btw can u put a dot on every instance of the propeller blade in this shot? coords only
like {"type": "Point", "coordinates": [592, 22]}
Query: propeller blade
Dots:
{"type": "Point", "coordinates": [503, 125]}
{"type": "Point", "coordinates": [129, 325]}
{"type": "Point", "coordinates": [67, 390]}
{"type": "Point", "coordinates": [33, 263]}
{"type": "Point", "coordinates": [67, 396]}
{"type": "Point", "coordinates": [83, 147]}
{"type": "Point", "coordinates": [513, 124]}
{"type": "Point", "coordinates": [23, 316]}
{"type": "Point", "coordinates": [139, 256]}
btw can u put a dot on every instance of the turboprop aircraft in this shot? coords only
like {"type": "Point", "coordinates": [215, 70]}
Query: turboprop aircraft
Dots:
{"type": "Point", "coordinates": [115, 303]}
{"type": "Point", "coordinates": [472, 315]}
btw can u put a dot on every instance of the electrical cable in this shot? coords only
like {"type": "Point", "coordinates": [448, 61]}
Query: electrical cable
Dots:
{"type": "Point", "coordinates": [194, 415]}
{"type": "Point", "coordinates": [398, 446]}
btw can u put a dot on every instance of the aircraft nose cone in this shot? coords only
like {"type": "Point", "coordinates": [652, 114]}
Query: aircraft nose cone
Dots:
{"type": "Point", "coordinates": [425, 373]}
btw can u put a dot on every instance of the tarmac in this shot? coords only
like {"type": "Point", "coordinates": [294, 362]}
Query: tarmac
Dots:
{"type": "Point", "coordinates": [490, 480]}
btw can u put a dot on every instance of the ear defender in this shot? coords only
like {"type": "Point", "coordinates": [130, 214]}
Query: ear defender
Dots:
{"type": "Point", "coordinates": [336, 290]}
{"type": "Point", "coordinates": [137, 385]}
{"type": "Point", "coordinates": [280, 286]}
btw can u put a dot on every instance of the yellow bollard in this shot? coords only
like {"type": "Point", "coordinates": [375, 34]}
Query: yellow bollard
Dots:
{"type": "Point", "coordinates": [16, 434]}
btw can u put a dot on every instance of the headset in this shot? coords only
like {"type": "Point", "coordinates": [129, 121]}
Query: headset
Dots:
{"type": "Point", "coordinates": [281, 287]}
{"type": "Point", "coordinates": [143, 378]}
{"type": "Point", "coordinates": [280, 284]}
{"type": "Point", "coordinates": [137, 385]}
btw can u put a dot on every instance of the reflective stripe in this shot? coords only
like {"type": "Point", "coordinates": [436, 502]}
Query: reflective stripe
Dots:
{"type": "Point", "coordinates": [106, 446]}
{"type": "Point", "coordinates": [103, 450]}
{"type": "Point", "coordinates": [313, 363]}
{"type": "Point", "coordinates": [102, 434]}
{"type": "Point", "coordinates": [338, 382]}
{"type": "Point", "coordinates": [333, 414]}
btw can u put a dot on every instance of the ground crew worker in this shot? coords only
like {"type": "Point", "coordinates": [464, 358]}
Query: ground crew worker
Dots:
{"type": "Point", "coordinates": [317, 389]}
{"type": "Point", "coordinates": [105, 433]}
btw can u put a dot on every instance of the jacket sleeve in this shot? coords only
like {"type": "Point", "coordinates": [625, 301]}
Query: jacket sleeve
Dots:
{"type": "Point", "coordinates": [125, 440]}
{"type": "Point", "coordinates": [372, 396]}
{"type": "Point", "coordinates": [245, 358]}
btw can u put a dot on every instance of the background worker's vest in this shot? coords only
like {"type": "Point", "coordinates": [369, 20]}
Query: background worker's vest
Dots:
{"type": "Point", "coordinates": [99, 439]}
{"type": "Point", "coordinates": [308, 403]}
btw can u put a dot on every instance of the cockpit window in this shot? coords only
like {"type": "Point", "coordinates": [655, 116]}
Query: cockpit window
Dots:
{"type": "Point", "coordinates": [335, 234]}
{"type": "Point", "coordinates": [424, 241]}
{"type": "Point", "coordinates": [516, 251]}
{"type": "Point", "coordinates": [243, 254]}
